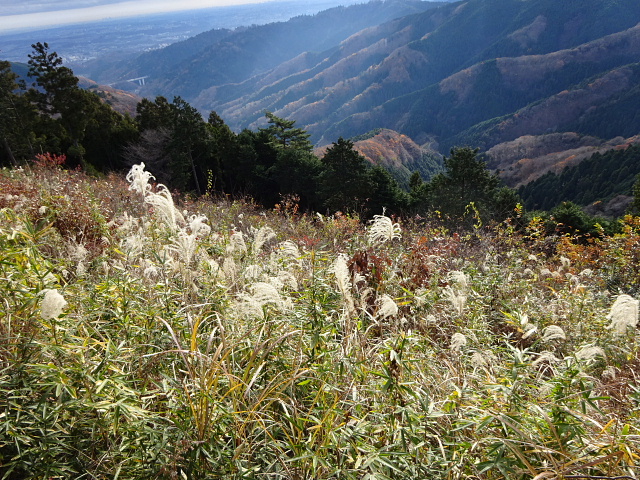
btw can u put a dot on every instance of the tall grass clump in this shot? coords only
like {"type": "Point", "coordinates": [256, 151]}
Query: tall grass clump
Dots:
{"type": "Point", "coordinates": [148, 335]}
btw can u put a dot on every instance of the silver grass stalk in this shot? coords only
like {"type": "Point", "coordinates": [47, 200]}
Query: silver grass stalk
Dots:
{"type": "Point", "coordinates": [553, 332]}
{"type": "Point", "coordinates": [457, 300]}
{"type": "Point", "coordinates": [458, 341]}
{"type": "Point", "coordinates": [266, 294]}
{"type": "Point", "coordinates": [459, 280]}
{"type": "Point", "coordinates": [341, 272]}
{"type": "Point", "coordinates": [237, 243]}
{"type": "Point", "coordinates": [252, 272]}
{"type": "Point", "coordinates": [185, 246]}
{"type": "Point", "coordinates": [264, 235]}
{"type": "Point", "coordinates": [198, 226]}
{"type": "Point", "coordinates": [589, 352]}
{"type": "Point", "coordinates": [383, 230]}
{"type": "Point", "coordinates": [386, 307]}
{"type": "Point", "coordinates": [230, 269]}
{"type": "Point", "coordinates": [545, 358]}
{"type": "Point", "coordinates": [139, 179]}
{"type": "Point", "coordinates": [288, 279]}
{"type": "Point", "coordinates": [162, 201]}
{"type": "Point", "coordinates": [288, 250]}
{"type": "Point", "coordinates": [623, 314]}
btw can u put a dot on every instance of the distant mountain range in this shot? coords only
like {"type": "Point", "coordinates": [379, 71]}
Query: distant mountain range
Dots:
{"type": "Point", "coordinates": [529, 82]}
{"type": "Point", "coordinates": [478, 71]}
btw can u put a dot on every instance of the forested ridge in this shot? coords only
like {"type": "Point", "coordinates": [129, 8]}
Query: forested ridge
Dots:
{"type": "Point", "coordinates": [55, 119]}
{"type": "Point", "coordinates": [598, 178]}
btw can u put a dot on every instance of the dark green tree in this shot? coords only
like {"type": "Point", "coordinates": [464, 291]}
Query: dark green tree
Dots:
{"type": "Point", "coordinates": [466, 180]}
{"type": "Point", "coordinates": [295, 172]}
{"type": "Point", "coordinates": [55, 81]}
{"type": "Point", "coordinates": [285, 135]}
{"type": "Point", "coordinates": [74, 121]}
{"type": "Point", "coordinates": [17, 116]}
{"type": "Point", "coordinates": [418, 194]}
{"type": "Point", "coordinates": [344, 183]}
{"type": "Point", "coordinates": [224, 154]}
{"type": "Point", "coordinates": [178, 142]}
{"type": "Point", "coordinates": [384, 193]}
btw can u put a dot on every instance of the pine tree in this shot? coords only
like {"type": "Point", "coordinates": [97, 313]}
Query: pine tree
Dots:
{"type": "Point", "coordinates": [286, 135]}
{"type": "Point", "coordinates": [344, 183]}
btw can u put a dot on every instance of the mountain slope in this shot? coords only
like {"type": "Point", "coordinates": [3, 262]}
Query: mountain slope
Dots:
{"type": "Point", "coordinates": [245, 52]}
{"type": "Point", "coordinates": [438, 72]}
{"type": "Point", "coordinates": [397, 153]}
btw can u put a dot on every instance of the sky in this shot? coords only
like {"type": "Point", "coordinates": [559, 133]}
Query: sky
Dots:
{"type": "Point", "coordinates": [17, 14]}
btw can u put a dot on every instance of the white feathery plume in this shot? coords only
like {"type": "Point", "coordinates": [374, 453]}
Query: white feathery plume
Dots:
{"type": "Point", "coordinates": [288, 250]}
{"type": "Point", "coordinates": [458, 300]}
{"type": "Point", "coordinates": [458, 341]}
{"type": "Point", "coordinates": [383, 230]}
{"type": "Point", "coordinates": [151, 272]}
{"type": "Point", "coordinates": [252, 272]}
{"type": "Point", "coordinates": [623, 314]}
{"type": "Point", "coordinates": [139, 179]}
{"type": "Point", "coordinates": [248, 307]}
{"type": "Point", "coordinates": [276, 282]}
{"type": "Point", "coordinates": [198, 227]}
{"type": "Point", "coordinates": [459, 280]}
{"type": "Point", "coordinates": [260, 295]}
{"type": "Point", "coordinates": [230, 269]}
{"type": "Point", "coordinates": [262, 236]}
{"type": "Point", "coordinates": [484, 358]}
{"type": "Point", "coordinates": [386, 307]}
{"type": "Point", "coordinates": [162, 201]}
{"type": "Point", "coordinates": [52, 304]}
{"type": "Point", "coordinates": [185, 244]}
{"type": "Point", "coordinates": [341, 272]}
{"type": "Point", "coordinates": [132, 244]}
{"type": "Point", "coordinates": [213, 267]}
{"type": "Point", "coordinates": [553, 332]}
{"type": "Point", "coordinates": [237, 243]}
{"type": "Point", "coordinates": [288, 279]}
{"type": "Point", "coordinates": [590, 352]}
{"type": "Point", "coordinates": [266, 294]}
{"type": "Point", "coordinates": [545, 357]}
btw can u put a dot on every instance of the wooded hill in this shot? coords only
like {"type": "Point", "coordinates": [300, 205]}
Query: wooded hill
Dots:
{"type": "Point", "coordinates": [478, 72]}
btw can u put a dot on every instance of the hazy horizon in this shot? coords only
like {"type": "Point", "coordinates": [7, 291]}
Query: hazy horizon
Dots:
{"type": "Point", "coordinates": [31, 15]}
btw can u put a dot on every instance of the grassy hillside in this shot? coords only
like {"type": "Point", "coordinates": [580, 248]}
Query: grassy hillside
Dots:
{"type": "Point", "coordinates": [146, 336]}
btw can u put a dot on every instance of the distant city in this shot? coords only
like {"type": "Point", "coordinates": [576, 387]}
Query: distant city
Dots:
{"type": "Point", "coordinates": [115, 40]}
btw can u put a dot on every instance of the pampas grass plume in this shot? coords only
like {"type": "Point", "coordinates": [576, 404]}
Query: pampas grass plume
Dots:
{"type": "Point", "coordinates": [383, 230]}
{"type": "Point", "coordinates": [386, 307]}
{"type": "Point", "coordinates": [52, 304]}
{"type": "Point", "coordinates": [139, 179]}
{"type": "Point", "coordinates": [623, 314]}
{"type": "Point", "coordinates": [458, 340]}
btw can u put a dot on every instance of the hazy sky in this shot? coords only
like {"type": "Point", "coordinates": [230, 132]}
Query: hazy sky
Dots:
{"type": "Point", "coordinates": [21, 14]}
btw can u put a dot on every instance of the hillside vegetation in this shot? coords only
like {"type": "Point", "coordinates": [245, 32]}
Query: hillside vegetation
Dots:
{"type": "Point", "coordinates": [147, 336]}
{"type": "Point", "coordinates": [397, 153]}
